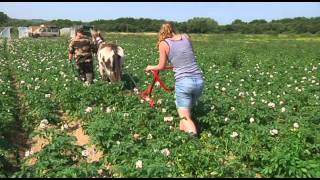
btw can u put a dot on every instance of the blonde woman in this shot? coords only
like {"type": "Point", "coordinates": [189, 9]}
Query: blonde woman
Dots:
{"type": "Point", "coordinates": [177, 50]}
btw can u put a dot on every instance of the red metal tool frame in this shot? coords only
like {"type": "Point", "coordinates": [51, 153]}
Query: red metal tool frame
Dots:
{"type": "Point", "coordinates": [146, 94]}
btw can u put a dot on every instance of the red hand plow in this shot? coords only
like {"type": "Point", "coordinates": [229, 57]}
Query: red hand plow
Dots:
{"type": "Point", "coordinates": [146, 94]}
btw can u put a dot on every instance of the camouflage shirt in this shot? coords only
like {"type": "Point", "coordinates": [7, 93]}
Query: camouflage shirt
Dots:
{"type": "Point", "coordinates": [82, 48]}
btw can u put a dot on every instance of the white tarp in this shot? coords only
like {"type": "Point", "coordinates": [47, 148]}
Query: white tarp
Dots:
{"type": "Point", "coordinates": [72, 32]}
{"type": "Point", "coordinates": [23, 32]}
{"type": "Point", "coordinates": [5, 33]}
{"type": "Point", "coordinates": [65, 31]}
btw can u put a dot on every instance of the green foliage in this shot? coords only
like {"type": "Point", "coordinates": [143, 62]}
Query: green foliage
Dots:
{"type": "Point", "coordinates": [195, 25]}
{"type": "Point", "coordinates": [243, 75]}
{"type": "Point", "coordinates": [60, 158]}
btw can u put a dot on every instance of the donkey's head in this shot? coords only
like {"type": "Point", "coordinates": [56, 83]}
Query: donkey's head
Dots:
{"type": "Point", "coordinates": [97, 38]}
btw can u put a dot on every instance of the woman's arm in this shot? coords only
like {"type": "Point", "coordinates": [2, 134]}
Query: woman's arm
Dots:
{"type": "Point", "coordinates": [163, 51]}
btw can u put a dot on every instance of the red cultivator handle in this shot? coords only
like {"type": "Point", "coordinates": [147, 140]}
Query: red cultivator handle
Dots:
{"type": "Point", "coordinates": [146, 94]}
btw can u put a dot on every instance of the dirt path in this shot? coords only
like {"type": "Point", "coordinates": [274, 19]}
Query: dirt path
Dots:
{"type": "Point", "coordinates": [73, 128]}
{"type": "Point", "coordinates": [20, 137]}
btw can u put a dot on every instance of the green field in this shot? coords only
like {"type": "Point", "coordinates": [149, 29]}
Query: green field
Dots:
{"type": "Point", "coordinates": [259, 113]}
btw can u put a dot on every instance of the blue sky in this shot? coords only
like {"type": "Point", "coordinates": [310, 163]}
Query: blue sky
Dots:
{"type": "Point", "coordinates": [222, 12]}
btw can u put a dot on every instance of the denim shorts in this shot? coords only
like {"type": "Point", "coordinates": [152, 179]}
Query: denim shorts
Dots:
{"type": "Point", "coordinates": [188, 90]}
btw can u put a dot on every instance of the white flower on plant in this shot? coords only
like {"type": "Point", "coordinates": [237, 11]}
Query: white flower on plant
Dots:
{"type": "Point", "coordinates": [271, 105]}
{"type": "Point", "coordinates": [281, 102]}
{"type": "Point", "coordinates": [22, 82]}
{"type": "Point", "coordinates": [168, 119]}
{"type": "Point", "coordinates": [283, 109]}
{"type": "Point", "coordinates": [241, 94]}
{"type": "Point", "coordinates": [44, 121]}
{"type": "Point", "coordinates": [136, 136]}
{"type": "Point", "coordinates": [28, 153]}
{"type": "Point", "coordinates": [314, 68]}
{"type": "Point", "coordinates": [108, 110]}
{"type": "Point", "coordinates": [159, 101]}
{"type": "Point", "coordinates": [157, 84]}
{"type": "Point", "coordinates": [296, 125]}
{"type": "Point", "coordinates": [149, 136]}
{"type": "Point", "coordinates": [136, 90]}
{"type": "Point", "coordinates": [125, 114]}
{"type": "Point", "coordinates": [66, 126]}
{"type": "Point", "coordinates": [223, 89]}
{"type": "Point", "coordinates": [234, 134]}
{"type": "Point", "coordinates": [233, 108]}
{"type": "Point", "coordinates": [47, 95]}
{"type": "Point", "coordinates": [3, 93]}
{"type": "Point", "coordinates": [164, 110]}
{"type": "Point", "coordinates": [118, 142]}
{"type": "Point", "coordinates": [212, 107]}
{"type": "Point", "coordinates": [139, 164]}
{"type": "Point", "coordinates": [254, 93]}
{"type": "Point", "coordinates": [252, 103]}
{"type": "Point", "coordinates": [274, 132]}
{"type": "Point", "coordinates": [251, 120]}
{"type": "Point", "coordinates": [86, 83]}
{"type": "Point", "coordinates": [37, 87]}
{"type": "Point", "coordinates": [88, 109]}
{"type": "Point", "coordinates": [165, 152]}
{"type": "Point", "coordinates": [85, 153]}
{"type": "Point", "coordinates": [226, 119]}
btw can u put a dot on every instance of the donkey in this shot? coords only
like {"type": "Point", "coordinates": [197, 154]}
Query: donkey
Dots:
{"type": "Point", "coordinates": [110, 58]}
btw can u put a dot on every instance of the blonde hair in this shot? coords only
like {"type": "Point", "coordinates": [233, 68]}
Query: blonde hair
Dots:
{"type": "Point", "coordinates": [167, 30]}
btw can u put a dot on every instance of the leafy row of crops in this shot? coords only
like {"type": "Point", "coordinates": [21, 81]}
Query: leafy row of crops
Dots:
{"type": "Point", "coordinates": [259, 114]}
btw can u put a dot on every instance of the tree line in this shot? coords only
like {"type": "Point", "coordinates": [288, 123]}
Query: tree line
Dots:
{"type": "Point", "coordinates": [296, 25]}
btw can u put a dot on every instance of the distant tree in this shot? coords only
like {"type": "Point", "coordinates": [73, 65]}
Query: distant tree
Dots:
{"type": "Point", "coordinates": [201, 25]}
{"type": "Point", "coordinates": [258, 21]}
{"type": "Point", "coordinates": [195, 25]}
{"type": "Point", "coordinates": [3, 18]}
{"type": "Point", "coordinates": [237, 26]}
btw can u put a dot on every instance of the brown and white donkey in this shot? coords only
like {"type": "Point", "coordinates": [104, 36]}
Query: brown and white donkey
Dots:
{"type": "Point", "coordinates": [110, 58]}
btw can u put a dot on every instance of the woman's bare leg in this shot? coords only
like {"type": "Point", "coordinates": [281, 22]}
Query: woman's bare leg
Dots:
{"type": "Point", "coordinates": [186, 123]}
